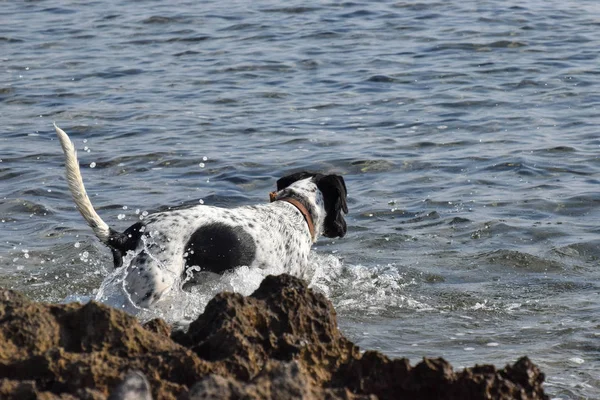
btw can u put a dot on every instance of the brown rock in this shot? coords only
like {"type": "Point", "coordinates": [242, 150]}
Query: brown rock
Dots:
{"type": "Point", "coordinates": [282, 342]}
{"type": "Point", "coordinates": [279, 380]}
{"type": "Point", "coordinates": [158, 326]}
{"type": "Point", "coordinates": [62, 349]}
{"type": "Point", "coordinates": [282, 320]}
{"type": "Point", "coordinates": [435, 379]}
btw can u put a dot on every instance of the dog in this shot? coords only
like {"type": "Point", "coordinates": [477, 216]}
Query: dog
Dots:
{"type": "Point", "coordinates": [174, 246]}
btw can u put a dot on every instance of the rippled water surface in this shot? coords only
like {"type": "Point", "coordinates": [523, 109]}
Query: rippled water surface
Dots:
{"type": "Point", "coordinates": [467, 132]}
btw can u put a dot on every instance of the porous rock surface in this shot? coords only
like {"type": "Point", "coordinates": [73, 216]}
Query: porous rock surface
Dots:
{"type": "Point", "coordinates": [282, 342]}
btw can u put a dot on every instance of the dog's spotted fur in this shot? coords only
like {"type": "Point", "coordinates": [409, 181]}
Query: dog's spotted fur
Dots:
{"type": "Point", "coordinates": [172, 246]}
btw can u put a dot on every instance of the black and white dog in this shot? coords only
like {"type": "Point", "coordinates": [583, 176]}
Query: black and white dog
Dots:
{"type": "Point", "coordinates": [171, 247]}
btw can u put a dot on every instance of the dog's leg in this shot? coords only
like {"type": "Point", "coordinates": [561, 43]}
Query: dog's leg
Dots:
{"type": "Point", "coordinates": [147, 279]}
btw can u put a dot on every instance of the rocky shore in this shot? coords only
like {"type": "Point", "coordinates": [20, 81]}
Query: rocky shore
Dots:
{"type": "Point", "coordinates": [282, 342]}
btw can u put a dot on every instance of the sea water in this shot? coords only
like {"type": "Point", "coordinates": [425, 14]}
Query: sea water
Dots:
{"type": "Point", "coordinates": [467, 133]}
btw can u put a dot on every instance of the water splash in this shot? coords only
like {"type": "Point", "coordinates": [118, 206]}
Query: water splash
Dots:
{"type": "Point", "coordinates": [375, 290]}
{"type": "Point", "coordinates": [181, 306]}
{"type": "Point", "coordinates": [352, 288]}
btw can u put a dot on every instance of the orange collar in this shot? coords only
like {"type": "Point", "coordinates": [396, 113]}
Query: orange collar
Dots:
{"type": "Point", "coordinates": [301, 208]}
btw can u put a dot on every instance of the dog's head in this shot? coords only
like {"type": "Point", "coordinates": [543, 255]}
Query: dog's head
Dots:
{"type": "Point", "coordinates": [333, 190]}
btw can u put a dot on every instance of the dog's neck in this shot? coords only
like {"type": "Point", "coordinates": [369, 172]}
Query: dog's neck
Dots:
{"type": "Point", "coordinates": [308, 199]}
{"type": "Point", "coordinates": [303, 210]}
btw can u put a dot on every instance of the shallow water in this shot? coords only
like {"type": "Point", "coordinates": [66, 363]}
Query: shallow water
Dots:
{"type": "Point", "coordinates": [466, 131]}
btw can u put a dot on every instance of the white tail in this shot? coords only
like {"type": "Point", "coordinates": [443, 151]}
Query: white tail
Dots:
{"type": "Point", "coordinates": [82, 201]}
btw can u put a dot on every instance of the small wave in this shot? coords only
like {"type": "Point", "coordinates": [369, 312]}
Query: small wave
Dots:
{"type": "Point", "coordinates": [160, 19]}
{"type": "Point", "coordinates": [521, 260]}
{"type": "Point", "coordinates": [292, 10]}
{"type": "Point", "coordinates": [373, 165]}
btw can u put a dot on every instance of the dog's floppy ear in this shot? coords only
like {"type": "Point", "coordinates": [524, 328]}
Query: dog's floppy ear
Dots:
{"type": "Point", "coordinates": [334, 192]}
{"type": "Point", "coordinates": [287, 180]}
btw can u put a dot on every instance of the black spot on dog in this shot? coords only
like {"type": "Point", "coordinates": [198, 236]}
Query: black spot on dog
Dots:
{"type": "Point", "coordinates": [121, 243]}
{"type": "Point", "coordinates": [218, 248]}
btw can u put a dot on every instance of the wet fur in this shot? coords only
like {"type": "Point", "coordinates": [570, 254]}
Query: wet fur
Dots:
{"type": "Point", "coordinates": [174, 245]}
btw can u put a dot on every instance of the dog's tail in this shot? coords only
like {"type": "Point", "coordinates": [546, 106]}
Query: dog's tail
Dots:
{"type": "Point", "coordinates": [82, 201]}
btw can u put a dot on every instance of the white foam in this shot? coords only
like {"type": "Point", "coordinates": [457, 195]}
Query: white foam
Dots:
{"type": "Point", "coordinates": [352, 288]}
{"type": "Point", "coordinates": [179, 305]}
{"type": "Point", "coordinates": [112, 292]}
{"type": "Point", "coordinates": [364, 289]}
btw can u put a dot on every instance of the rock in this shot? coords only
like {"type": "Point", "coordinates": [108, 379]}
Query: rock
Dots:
{"type": "Point", "coordinates": [135, 386]}
{"type": "Point", "coordinates": [279, 380]}
{"type": "Point", "coordinates": [64, 349]}
{"type": "Point", "coordinates": [435, 379]}
{"type": "Point", "coordinates": [158, 326]}
{"type": "Point", "coordinates": [282, 342]}
{"type": "Point", "coordinates": [282, 320]}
